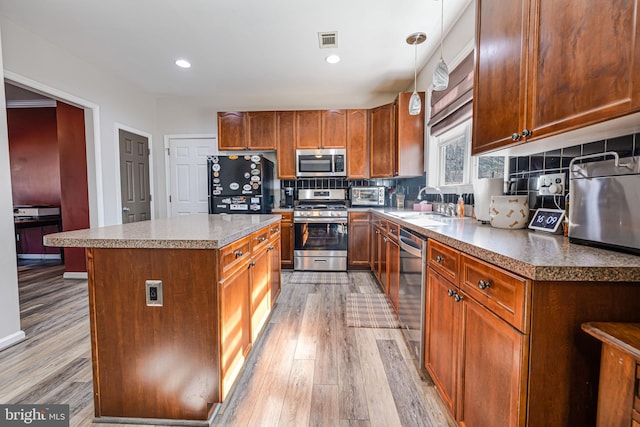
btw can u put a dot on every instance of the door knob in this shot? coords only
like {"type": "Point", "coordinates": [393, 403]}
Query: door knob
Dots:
{"type": "Point", "coordinates": [125, 209]}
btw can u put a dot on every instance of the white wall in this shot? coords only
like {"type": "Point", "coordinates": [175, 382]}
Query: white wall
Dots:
{"type": "Point", "coordinates": [9, 307]}
{"type": "Point", "coordinates": [32, 58]}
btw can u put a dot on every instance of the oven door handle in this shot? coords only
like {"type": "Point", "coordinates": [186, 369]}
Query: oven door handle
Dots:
{"type": "Point", "coordinates": [417, 252]}
{"type": "Point", "coordinates": [320, 220]}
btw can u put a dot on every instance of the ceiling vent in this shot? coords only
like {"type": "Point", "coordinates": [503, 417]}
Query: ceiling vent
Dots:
{"type": "Point", "coordinates": [328, 39]}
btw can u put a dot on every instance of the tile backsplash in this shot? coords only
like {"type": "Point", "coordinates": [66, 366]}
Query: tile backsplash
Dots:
{"type": "Point", "coordinates": [524, 171]}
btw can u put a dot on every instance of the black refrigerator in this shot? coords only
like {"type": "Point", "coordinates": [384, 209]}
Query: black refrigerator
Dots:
{"type": "Point", "coordinates": [240, 184]}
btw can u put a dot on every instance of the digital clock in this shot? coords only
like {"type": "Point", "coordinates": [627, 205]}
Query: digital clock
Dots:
{"type": "Point", "coordinates": [547, 220]}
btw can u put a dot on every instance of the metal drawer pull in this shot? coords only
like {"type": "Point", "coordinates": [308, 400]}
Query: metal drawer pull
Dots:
{"type": "Point", "coordinates": [451, 292]}
{"type": "Point", "coordinates": [238, 253]}
{"type": "Point", "coordinates": [271, 248]}
{"type": "Point", "coordinates": [252, 264]}
{"type": "Point", "coordinates": [262, 239]}
{"type": "Point", "coordinates": [484, 285]}
{"type": "Point", "coordinates": [458, 298]}
{"type": "Point", "coordinates": [439, 259]}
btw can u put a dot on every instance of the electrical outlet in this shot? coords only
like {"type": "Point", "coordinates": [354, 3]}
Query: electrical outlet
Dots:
{"type": "Point", "coordinates": [154, 292]}
{"type": "Point", "coordinates": [551, 184]}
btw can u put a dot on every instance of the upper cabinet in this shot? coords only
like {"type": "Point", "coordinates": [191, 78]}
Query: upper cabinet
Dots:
{"type": "Point", "coordinates": [286, 144]}
{"type": "Point", "coordinates": [255, 130]}
{"type": "Point", "coordinates": [357, 144]}
{"type": "Point", "coordinates": [544, 67]}
{"type": "Point", "coordinates": [396, 139]}
{"type": "Point", "coordinates": [334, 129]}
{"type": "Point", "coordinates": [308, 129]}
{"type": "Point", "coordinates": [232, 131]}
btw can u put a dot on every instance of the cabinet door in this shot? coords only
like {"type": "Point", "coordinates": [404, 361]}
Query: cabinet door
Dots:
{"type": "Point", "coordinates": [358, 239]}
{"type": "Point", "coordinates": [409, 137]}
{"type": "Point", "coordinates": [286, 240]}
{"type": "Point", "coordinates": [393, 268]}
{"type": "Point", "coordinates": [493, 370]}
{"type": "Point", "coordinates": [334, 129]}
{"type": "Point", "coordinates": [260, 291]}
{"type": "Point", "coordinates": [308, 129]}
{"type": "Point", "coordinates": [262, 130]}
{"type": "Point", "coordinates": [381, 140]}
{"type": "Point", "coordinates": [235, 325]}
{"type": "Point", "coordinates": [357, 153]}
{"type": "Point", "coordinates": [286, 144]}
{"type": "Point", "coordinates": [274, 271]}
{"type": "Point", "coordinates": [382, 262]}
{"type": "Point", "coordinates": [583, 63]}
{"type": "Point", "coordinates": [441, 340]}
{"type": "Point", "coordinates": [231, 131]}
{"type": "Point", "coordinates": [373, 256]}
{"type": "Point", "coordinates": [499, 87]}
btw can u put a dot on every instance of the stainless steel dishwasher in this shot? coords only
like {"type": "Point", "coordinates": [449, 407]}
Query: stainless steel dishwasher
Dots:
{"type": "Point", "coordinates": [413, 261]}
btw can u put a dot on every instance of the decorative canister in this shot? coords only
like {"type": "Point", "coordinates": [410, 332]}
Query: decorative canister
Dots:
{"type": "Point", "coordinates": [509, 211]}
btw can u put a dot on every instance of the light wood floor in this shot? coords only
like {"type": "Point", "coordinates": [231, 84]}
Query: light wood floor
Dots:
{"type": "Point", "coordinates": [308, 369]}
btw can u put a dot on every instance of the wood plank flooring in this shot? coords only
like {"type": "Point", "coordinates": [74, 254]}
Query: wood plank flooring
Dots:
{"type": "Point", "coordinates": [308, 369]}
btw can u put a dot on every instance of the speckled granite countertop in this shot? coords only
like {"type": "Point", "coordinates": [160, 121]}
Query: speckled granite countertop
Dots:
{"type": "Point", "coordinates": [197, 231]}
{"type": "Point", "coordinates": [533, 254]}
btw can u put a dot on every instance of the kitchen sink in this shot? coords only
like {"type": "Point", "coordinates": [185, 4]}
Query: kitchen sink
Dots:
{"type": "Point", "coordinates": [425, 221]}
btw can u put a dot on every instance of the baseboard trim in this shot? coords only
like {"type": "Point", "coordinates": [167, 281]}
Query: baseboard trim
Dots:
{"type": "Point", "coordinates": [158, 421]}
{"type": "Point", "coordinates": [75, 275]}
{"type": "Point", "coordinates": [12, 339]}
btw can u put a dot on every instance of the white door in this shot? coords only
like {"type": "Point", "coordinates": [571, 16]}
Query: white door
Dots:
{"type": "Point", "coordinates": [188, 191]}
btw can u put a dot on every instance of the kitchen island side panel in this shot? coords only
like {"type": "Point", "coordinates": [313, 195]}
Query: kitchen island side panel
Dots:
{"type": "Point", "coordinates": [154, 361]}
{"type": "Point", "coordinates": [564, 362]}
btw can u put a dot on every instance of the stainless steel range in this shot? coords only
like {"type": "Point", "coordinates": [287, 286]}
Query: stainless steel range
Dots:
{"type": "Point", "coordinates": [320, 230]}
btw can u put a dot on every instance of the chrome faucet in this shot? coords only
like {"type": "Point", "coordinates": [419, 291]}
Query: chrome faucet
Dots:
{"type": "Point", "coordinates": [434, 188]}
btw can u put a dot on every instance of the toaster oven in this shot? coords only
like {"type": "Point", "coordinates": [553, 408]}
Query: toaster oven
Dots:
{"type": "Point", "coordinates": [367, 196]}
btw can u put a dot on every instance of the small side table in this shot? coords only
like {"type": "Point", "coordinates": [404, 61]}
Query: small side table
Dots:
{"type": "Point", "coordinates": [618, 392]}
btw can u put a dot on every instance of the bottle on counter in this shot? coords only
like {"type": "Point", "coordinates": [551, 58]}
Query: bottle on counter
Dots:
{"type": "Point", "coordinates": [460, 207]}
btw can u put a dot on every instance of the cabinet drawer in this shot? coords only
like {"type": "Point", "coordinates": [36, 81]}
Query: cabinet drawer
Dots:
{"type": "Point", "coordinates": [260, 238]}
{"type": "Point", "coordinates": [274, 229]}
{"type": "Point", "coordinates": [393, 231]}
{"type": "Point", "coordinates": [500, 291]}
{"type": "Point", "coordinates": [234, 254]}
{"type": "Point", "coordinates": [444, 259]}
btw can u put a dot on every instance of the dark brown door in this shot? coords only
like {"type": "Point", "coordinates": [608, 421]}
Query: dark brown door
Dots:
{"type": "Point", "coordinates": [286, 143]}
{"type": "Point", "coordinates": [499, 89]}
{"type": "Point", "coordinates": [441, 345]}
{"type": "Point", "coordinates": [493, 370]}
{"type": "Point", "coordinates": [357, 144]}
{"type": "Point", "coordinates": [134, 177]}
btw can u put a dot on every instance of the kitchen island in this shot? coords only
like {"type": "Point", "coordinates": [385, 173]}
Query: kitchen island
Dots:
{"type": "Point", "coordinates": [175, 307]}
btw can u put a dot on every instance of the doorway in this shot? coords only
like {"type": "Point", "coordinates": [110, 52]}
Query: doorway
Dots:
{"type": "Point", "coordinates": [135, 191]}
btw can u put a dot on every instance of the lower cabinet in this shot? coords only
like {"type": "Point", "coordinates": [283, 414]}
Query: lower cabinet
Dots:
{"type": "Point", "coordinates": [274, 267]}
{"type": "Point", "coordinates": [359, 235]}
{"type": "Point", "coordinates": [393, 268]}
{"type": "Point", "coordinates": [235, 326]}
{"type": "Point", "coordinates": [259, 268]}
{"type": "Point", "coordinates": [286, 239]}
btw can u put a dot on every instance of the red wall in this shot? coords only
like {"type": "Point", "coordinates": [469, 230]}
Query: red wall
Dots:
{"type": "Point", "coordinates": [73, 179]}
{"type": "Point", "coordinates": [33, 154]}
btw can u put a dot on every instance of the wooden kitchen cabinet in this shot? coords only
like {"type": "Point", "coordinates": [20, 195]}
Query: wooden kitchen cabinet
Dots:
{"type": "Point", "coordinates": [235, 325]}
{"type": "Point", "coordinates": [359, 234]}
{"type": "Point", "coordinates": [396, 140]}
{"type": "Point", "coordinates": [262, 130]}
{"type": "Point", "coordinates": [357, 144]}
{"type": "Point", "coordinates": [274, 263]}
{"type": "Point", "coordinates": [260, 289]}
{"type": "Point", "coordinates": [334, 129]}
{"type": "Point", "coordinates": [286, 238]}
{"type": "Point", "coordinates": [393, 271]}
{"type": "Point", "coordinates": [308, 129]}
{"type": "Point", "coordinates": [232, 130]}
{"type": "Point", "coordinates": [286, 144]}
{"type": "Point", "coordinates": [381, 142]}
{"type": "Point", "coordinates": [544, 67]}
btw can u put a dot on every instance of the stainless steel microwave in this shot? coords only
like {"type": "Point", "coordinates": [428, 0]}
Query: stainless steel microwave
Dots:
{"type": "Point", "coordinates": [367, 196]}
{"type": "Point", "coordinates": [330, 162]}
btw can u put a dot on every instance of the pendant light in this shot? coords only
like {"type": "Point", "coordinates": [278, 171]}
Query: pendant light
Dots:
{"type": "Point", "coordinates": [441, 73]}
{"type": "Point", "coordinates": [415, 104]}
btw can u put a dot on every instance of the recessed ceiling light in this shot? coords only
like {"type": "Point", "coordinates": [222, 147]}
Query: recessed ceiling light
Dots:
{"type": "Point", "coordinates": [183, 63]}
{"type": "Point", "coordinates": [332, 59]}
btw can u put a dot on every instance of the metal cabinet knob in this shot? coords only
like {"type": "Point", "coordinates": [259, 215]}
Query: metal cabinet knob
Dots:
{"type": "Point", "coordinates": [238, 253]}
{"type": "Point", "coordinates": [484, 285]}
{"type": "Point", "coordinates": [458, 298]}
{"type": "Point", "coordinates": [252, 264]}
{"type": "Point", "coordinates": [271, 248]}
{"type": "Point", "coordinates": [384, 238]}
{"type": "Point", "coordinates": [451, 292]}
{"type": "Point", "coordinates": [515, 136]}
{"type": "Point", "coordinates": [439, 259]}
{"type": "Point", "coordinates": [261, 239]}
{"type": "Point", "coordinates": [526, 133]}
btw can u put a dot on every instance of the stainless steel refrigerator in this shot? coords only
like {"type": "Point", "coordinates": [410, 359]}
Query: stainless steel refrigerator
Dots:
{"type": "Point", "coordinates": [241, 184]}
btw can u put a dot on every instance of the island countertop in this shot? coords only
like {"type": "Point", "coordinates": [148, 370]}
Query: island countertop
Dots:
{"type": "Point", "coordinates": [533, 254]}
{"type": "Point", "coordinates": [197, 231]}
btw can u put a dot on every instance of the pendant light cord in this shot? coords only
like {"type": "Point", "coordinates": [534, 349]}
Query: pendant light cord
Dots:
{"type": "Point", "coordinates": [415, 64]}
{"type": "Point", "coordinates": [441, 25]}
